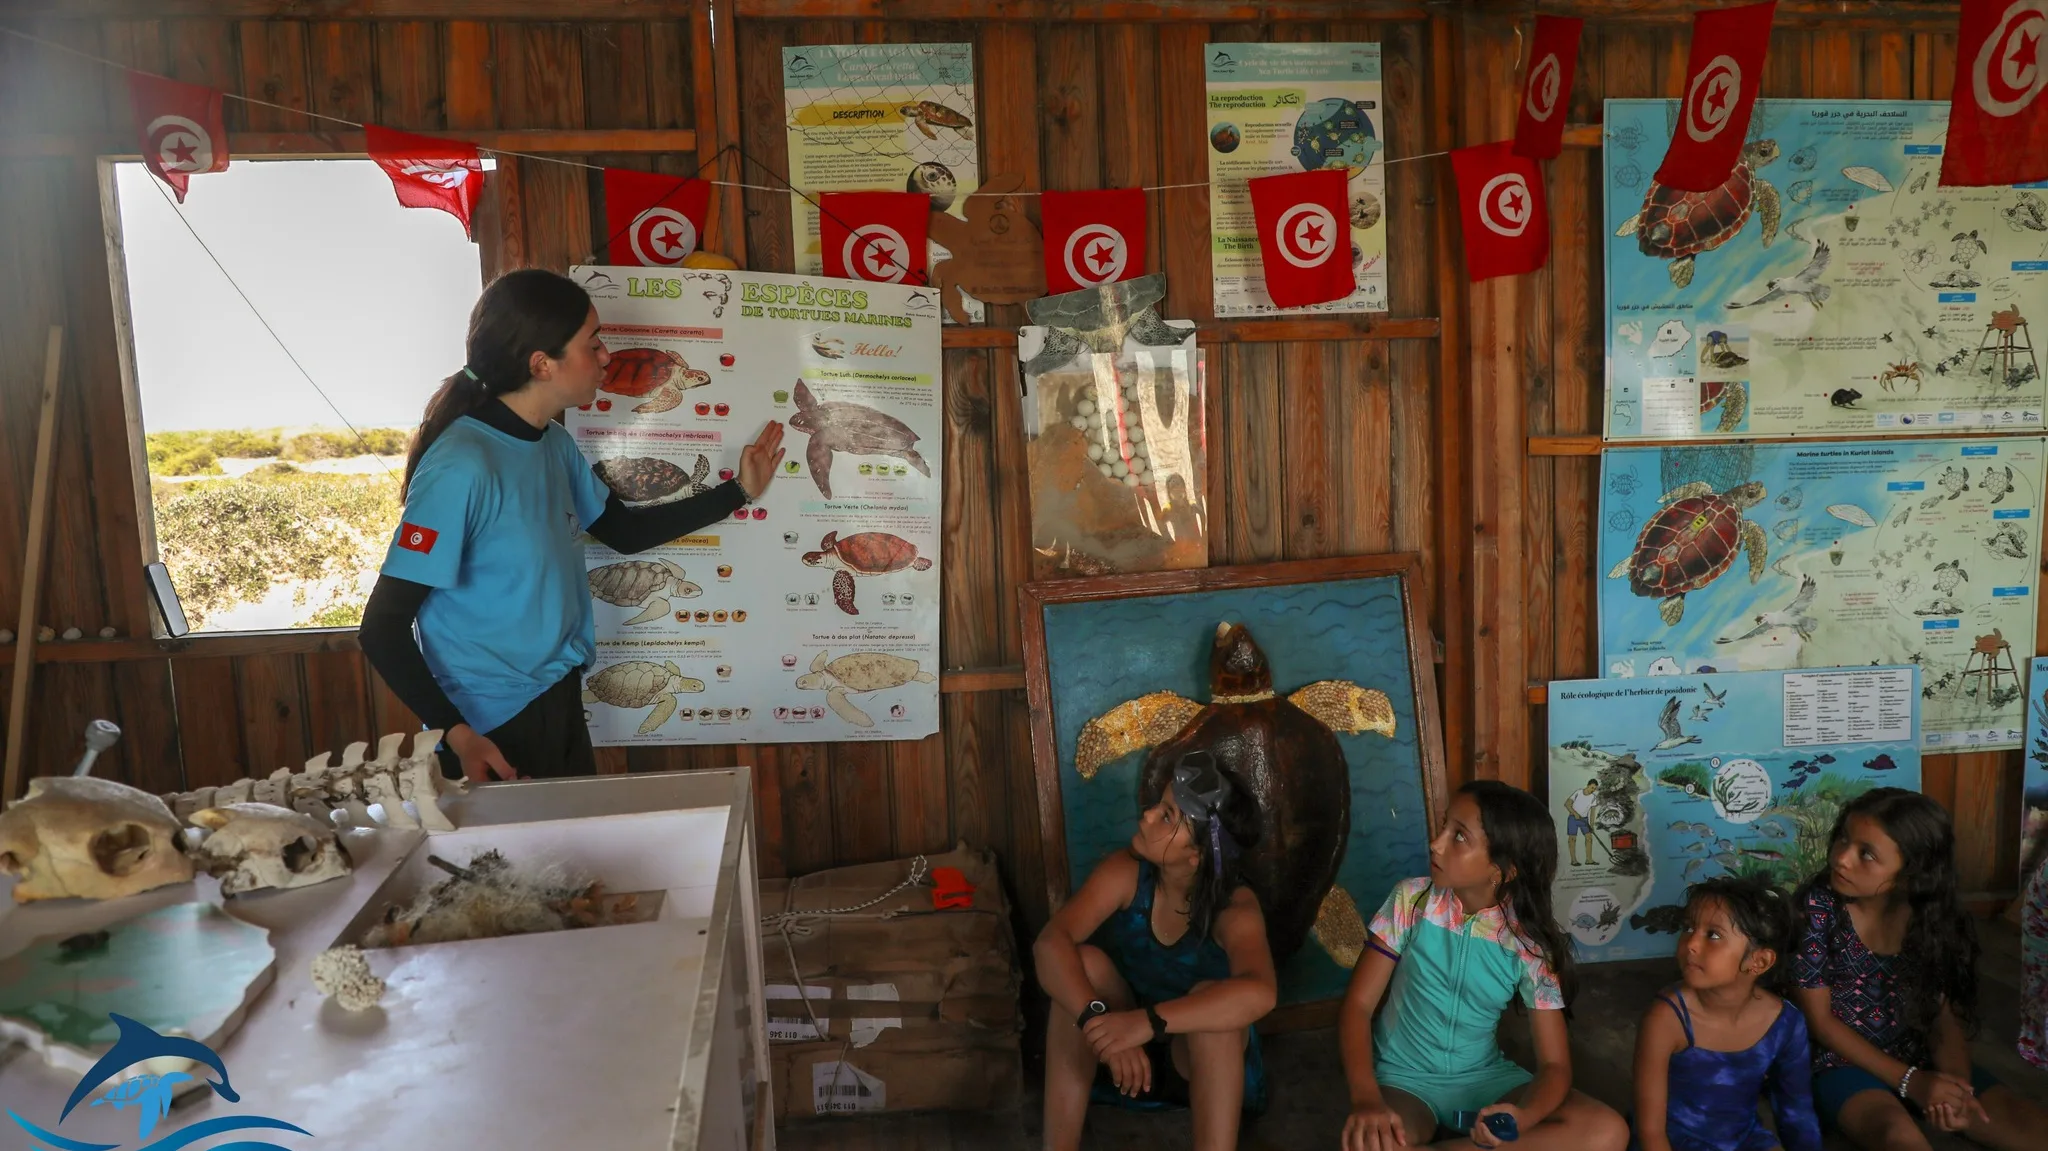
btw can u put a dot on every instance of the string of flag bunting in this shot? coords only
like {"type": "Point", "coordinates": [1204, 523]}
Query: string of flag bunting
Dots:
{"type": "Point", "coordinates": [1998, 135]}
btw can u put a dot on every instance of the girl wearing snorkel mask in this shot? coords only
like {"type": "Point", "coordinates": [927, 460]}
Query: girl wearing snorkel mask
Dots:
{"type": "Point", "coordinates": [1158, 967]}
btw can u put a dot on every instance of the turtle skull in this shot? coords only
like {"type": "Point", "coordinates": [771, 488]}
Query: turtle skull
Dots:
{"type": "Point", "coordinates": [259, 845]}
{"type": "Point", "coordinates": [89, 838]}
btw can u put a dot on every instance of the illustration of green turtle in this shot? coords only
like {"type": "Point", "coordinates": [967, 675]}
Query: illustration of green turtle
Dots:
{"type": "Point", "coordinates": [859, 673]}
{"type": "Point", "coordinates": [1691, 540]}
{"type": "Point", "coordinates": [636, 683]}
{"type": "Point", "coordinates": [1677, 225]}
{"type": "Point", "coordinates": [926, 114]}
{"type": "Point", "coordinates": [1287, 754]}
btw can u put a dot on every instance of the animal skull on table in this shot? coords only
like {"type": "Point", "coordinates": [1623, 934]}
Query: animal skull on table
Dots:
{"type": "Point", "coordinates": [89, 838]}
{"type": "Point", "coordinates": [259, 845]}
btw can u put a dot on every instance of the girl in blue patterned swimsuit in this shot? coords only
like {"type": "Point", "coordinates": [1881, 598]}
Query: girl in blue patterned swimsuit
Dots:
{"type": "Point", "coordinates": [1710, 1046]}
{"type": "Point", "coordinates": [1887, 974]}
{"type": "Point", "coordinates": [1174, 971]}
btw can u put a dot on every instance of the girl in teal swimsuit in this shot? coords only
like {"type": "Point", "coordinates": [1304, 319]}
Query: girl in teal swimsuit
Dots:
{"type": "Point", "coordinates": [1173, 973]}
{"type": "Point", "coordinates": [1447, 954]}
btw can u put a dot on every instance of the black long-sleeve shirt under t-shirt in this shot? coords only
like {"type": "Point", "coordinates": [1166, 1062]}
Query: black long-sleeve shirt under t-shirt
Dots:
{"type": "Point", "coordinates": [386, 634]}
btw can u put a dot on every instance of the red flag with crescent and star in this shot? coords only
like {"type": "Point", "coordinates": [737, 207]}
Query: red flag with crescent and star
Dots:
{"type": "Point", "coordinates": [429, 173]}
{"type": "Point", "coordinates": [1092, 238]}
{"type": "Point", "coordinates": [182, 127]}
{"type": "Point", "coordinates": [1998, 118]}
{"type": "Point", "coordinates": [1500, 196]}
{"type": "Point", "coordinates": [1547, 86]}
{"type": "Point", "coordinates": [1722, 75]}
{"type": "Point", "coordinates": [877, 236]}
{"type": "Point", "coordinates": [653, 220]}
{"type": "Point", "coordinates": [1304, 229]}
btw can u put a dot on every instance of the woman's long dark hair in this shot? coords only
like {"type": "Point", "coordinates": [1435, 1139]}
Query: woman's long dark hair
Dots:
{"type": "Point", "coordinates": [520, 313]}
{"type": "Point", "coordinates": [1521, 840]}
{"type": "Point", "coordinates": [1213, 886]}
{"type": "Point", "coordinates": [1938, 963]}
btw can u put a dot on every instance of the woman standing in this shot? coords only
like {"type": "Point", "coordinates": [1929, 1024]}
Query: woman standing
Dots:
{"type": "Point", "coordinates": [487, 565]}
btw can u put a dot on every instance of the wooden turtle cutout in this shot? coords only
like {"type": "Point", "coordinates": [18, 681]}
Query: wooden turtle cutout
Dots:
{"type": "Point", "coordinates": [1286, 752]}
{"type": "Point", "coordinates": [994, 255]}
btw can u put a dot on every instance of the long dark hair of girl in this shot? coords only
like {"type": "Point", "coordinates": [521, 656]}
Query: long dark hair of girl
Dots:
{"type": "Point", "coordinates": [520, 313]}
{"type": "Point", "coordinates": [1212, 888]}
{"type": "Point", "coordinates": [1939, 962]}
{"type": "Point", "coordinates": [1759, 911]}
{"type": "Point", "coordinates": [1521, 840]}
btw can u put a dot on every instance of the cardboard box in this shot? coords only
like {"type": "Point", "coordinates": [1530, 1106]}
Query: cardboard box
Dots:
{"type": "Point", "coordinates": [949, 1067]}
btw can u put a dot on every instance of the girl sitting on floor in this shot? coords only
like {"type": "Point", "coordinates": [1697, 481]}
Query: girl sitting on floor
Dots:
{"type": "Point", "coordinates": [1887, 973]}
{"type": "Point", "coordinates": [1710, 1046]}
{"type": "Point", "coordinates": [1448, 953]}
{"type": "Point", "coordinates": [1162, 996]}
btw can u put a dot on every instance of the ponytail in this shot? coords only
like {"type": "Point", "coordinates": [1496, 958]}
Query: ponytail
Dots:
{"type": "Point", "coordinates": [520, 313]}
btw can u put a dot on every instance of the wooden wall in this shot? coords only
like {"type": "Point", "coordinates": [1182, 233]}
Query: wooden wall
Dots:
{"type": "Point", "coordinates": [1436, 429]}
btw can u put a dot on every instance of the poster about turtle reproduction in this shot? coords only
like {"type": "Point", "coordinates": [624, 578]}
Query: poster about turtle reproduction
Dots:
{"type": "Point", "coordinates": [880, 118]}
{"type": "Point", "coordinates": [1658, 785]}
{"type": "Point", "coordinates": [812, 614]}
{"type": "Point", "coordinates": [1831, 286]}
{"type": "Point", "coordinates": [1749, 557]}
{"type": "Point", "coordinates": [1277, 108]}
{"type": "Point", "coordinates": [2034, 804]}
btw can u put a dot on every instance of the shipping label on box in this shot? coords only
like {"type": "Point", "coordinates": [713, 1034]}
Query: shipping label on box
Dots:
{"type": "Point", "coordinates": [866, 1030]}
{"type": "Point", "coordinates": [789, 1021]}
{"type": "Point", "coordinates": [838, 1087]}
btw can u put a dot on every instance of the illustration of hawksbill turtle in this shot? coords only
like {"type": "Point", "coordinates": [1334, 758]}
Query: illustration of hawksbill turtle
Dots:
{"type": "Point", "coordinates": [1285, 751]}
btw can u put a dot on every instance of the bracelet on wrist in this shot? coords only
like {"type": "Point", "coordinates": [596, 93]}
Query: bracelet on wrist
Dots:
{"type": "Point", "coordinates": [1158, 1024]}
{"type": "Point", "coordinates": [1906, 1080]}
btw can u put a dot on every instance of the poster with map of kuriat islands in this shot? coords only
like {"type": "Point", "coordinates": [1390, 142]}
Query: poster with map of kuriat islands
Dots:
{"type": "Point", "coordinates": [1831, 286]}
{"type": "Point", "coordinates": [1657, 785]}
{"type": "Point", "coordinates": [1753, 557]}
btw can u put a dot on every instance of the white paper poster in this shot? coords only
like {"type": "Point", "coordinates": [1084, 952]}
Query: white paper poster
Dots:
{"type": "Point", "coordinates": [812, 615]}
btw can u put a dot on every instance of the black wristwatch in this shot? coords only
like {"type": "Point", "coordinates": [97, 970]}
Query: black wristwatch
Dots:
{"type": "Point", "coordinates": [1158, 1024]}
{"type": "Point", "coordinates": [1095, 1007]}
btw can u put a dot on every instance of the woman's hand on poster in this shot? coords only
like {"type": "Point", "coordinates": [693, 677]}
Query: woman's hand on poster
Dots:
{"type": "Point", "coordinates": [481, 759]}
{"type": "Point", "coordinates": [759, 460]}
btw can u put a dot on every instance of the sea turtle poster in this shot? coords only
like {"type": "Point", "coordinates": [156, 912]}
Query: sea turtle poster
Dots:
{"type": "Point", "coordinates": [1277, 108]}
{"type": "Point", "coordinates": [1831, 286]}
{"type": "Point", "coordinates": [1747, 557]}
{"type": "Point", "coordinates": [1657, 785]}
{"type": "Point", "coordinates": [813, 613]}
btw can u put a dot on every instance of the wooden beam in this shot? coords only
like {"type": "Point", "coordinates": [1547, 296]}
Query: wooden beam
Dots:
{"type": "Point", "coordinates": [963, 680]}
{"type": "Point", "coordinates": [1068, 11]}
{"type": "Point", "coordinates": [1211, 332]}
{"type": "Point", "coordinates": [550, 10]}
{"type": "Point", "coordinates": [32, 566]}
{"type": "Point", "coordinates": [566, 141]}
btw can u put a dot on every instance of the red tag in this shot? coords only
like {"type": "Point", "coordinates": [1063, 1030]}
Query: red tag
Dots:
{"type": "Point", "coordinates": [1547, 86]}
{"type": "Point", "coordinates": [876, 236]}
{"type": "Point", "coordinates": [429, 173]}
{"type": "Point", "coordinates": [1092, 238]}
{"type": "Point", "coordinates": [1304, 222]}
{"type": "Point", "coordinates": [950, 888]}
{"type": "Point", "coordinates": [653, 220]}
{"type": "Point", "coordinates": [1500, 196]}
{"type": "Point", "coordinates": [182, 128]}
{"type": "Point", "coordinates": [414, 538]}
{"type": "Point", "coordinates": [1723, 73]}
{"type": "Point", "coordinates": [1998, 120]}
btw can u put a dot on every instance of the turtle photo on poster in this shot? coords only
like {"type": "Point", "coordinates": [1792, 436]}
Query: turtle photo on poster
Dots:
{"type": "Point", "coordinates": [1831, 285]}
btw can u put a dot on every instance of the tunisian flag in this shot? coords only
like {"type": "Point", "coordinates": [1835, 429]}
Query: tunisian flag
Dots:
{"type": "Point", "coordinates": [1997, 120]}
{"type": "Point", "coordinates": [1304, 229]}
{"type": "Point", "coordinates": [1547, 86]}
{"type": "Point", "coordinates": [876, 236]}
{"type": "Point", "coordinates": [652, 219]}
{"type": "Point", "coordinates": [1722, 76]}
{"type": "Point", "coordinates": [181, 126]}
{"type": "Point", "coordinates": [1092, 238]}
{"type": "Point", "coordinates": [1500, 195]}
{"type": "Point", "coordinates": [429, 173]}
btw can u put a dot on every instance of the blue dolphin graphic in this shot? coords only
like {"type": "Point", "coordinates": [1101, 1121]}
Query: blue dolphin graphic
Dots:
{"type": "Point", "coordinates": [137, 1042]}
{"type": "Point", "coordinates": [56, 1141]}
{"type": "Point", "coordinates": [211, 1127]}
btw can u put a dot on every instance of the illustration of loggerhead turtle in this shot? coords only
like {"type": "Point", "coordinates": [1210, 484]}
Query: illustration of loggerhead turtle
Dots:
{"type": "Point", "coordinates": [659, 375]}
{"type": "Point", "coordinates": [642, 479]}
{"type": "Point", "coordinates": [858, 674]}
{"type": "Point", "coordinates": [636, 683]}
{"type": "Point", "coordinates": [927, 114]}
{"type": "Point", "coordinates": [862, 554]}
{"type": "Point", "coordinates": [1691, 540]}
{"type": "Point", "coordinates": [646, 584]}
{"type": "Point", "coordinates": [1677, 225]}
{"type": "Point", "coordinates": [1287, 754]}
{"type": "Point", "coordinates": [855, 429]}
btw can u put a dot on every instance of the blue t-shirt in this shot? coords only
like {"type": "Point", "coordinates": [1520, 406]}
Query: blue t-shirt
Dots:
{"type": "Point", "coordinates": [493, 523]}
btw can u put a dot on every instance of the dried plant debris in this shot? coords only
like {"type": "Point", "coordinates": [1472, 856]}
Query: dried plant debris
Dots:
{"type": "Point", "coordinates": [493, 897]}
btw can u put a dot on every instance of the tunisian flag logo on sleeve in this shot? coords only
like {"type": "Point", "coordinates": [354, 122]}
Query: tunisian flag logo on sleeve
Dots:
{"type": "Point", "coordinates": [429, 173]}
{"type": "Point", "coordinates": [877, 236]}
{"type": "Point", "coordinates": [1998, 120]}
{"type": "Point", "coordinates": [1547, 86]}
{"type": "Point", "coordinates": [1304, 228]}
{"type": "Point", "coordinates": [182, 127]}
{"type": "Point", "coordinates": [1500, 196]}
{"type": "Point", "coordinates": [414, 538]}
{"type": "Point", "coordinates": [1722, 75]}
{"type": "Point", "coordinates": [652, 219]}
{"type": "Point", "coordinates": [1092, 238]}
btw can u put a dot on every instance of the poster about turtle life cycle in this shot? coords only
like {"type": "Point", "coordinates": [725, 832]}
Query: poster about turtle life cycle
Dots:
{"type": "Point", "coordinates": [1657, 785]}
{"type": "Point", "coordinates": [1748, 557]}
{"type": "Point", "coordinates": [812, 614]}
{"type": "Point", "coordinates": [880, 118]}
{"type": "Point", "coordinates": [1278, 108]}
{"type": "Point", "coordinates": [1831, 286]}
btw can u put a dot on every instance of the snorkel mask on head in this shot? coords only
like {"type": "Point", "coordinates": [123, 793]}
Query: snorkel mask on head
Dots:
{"type": "Point", "coordinates": [1200, 791]}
